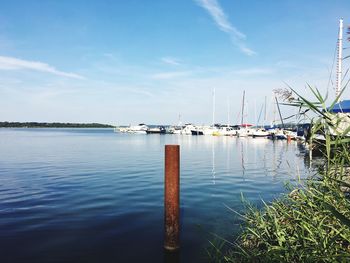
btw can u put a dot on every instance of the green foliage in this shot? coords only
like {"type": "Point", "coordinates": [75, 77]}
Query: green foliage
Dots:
{"type": "Point", "coordinates": [308, 225]}
{"type": "Point", "coordinates": [312, 222]}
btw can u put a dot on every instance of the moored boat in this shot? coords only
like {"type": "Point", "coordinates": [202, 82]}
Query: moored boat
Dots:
{"type": "Point", "coordinates": [140, 128]}
{"type": "Point", "coordinates": [226, 131]}
{"type": "Point", "coordinates": [260, 133]}
{"type": "Point", "coordinates": [187, 130]}
{"type": "Point", "coordinates": [156, 130]}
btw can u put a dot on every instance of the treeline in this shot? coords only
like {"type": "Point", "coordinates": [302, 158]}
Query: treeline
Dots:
{"type": "Point", "coordinates": [7, 124]}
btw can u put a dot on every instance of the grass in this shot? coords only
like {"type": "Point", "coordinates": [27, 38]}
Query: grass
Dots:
{"type": "Point", "coordinates": [312, 222]}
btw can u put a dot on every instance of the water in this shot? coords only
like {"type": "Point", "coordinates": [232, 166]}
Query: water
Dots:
{"type": "Point", "coordinates": [91, 195]}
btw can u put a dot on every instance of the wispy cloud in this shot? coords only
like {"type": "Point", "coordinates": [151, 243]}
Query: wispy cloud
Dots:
{"type": "Point", "coordinates": [220, 18]}
{"type": "Point", "coordinates": [245, 49]}
{"type": "Point", "coordinates": [170, 75]}
{"type": "Point", "coordinates": [10, 63]}
{"type": "Point", "coordinates": [171, 61]}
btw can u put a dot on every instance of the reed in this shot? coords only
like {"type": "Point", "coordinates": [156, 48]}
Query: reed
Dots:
{"type": "Point", "coordinates": [312, 222]}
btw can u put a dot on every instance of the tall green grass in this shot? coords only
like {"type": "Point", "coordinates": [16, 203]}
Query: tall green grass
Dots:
{"type": "Point", "coordinates": [312, 222]}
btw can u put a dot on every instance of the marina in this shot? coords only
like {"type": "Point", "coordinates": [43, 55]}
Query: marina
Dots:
{"type": "Point", "coordinates": [295, 133]}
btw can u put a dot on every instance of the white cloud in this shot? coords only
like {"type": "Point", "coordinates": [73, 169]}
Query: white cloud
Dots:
{"type": "Point", "coordinates": [220, 18]}
{"type": "Point", "coordinates": [171, 61]}
{"type": "Point", "coordinates": [245, 49]}
{"type": "Point", "coordinates": [10, 63]}
{"type": "Point", "coordinates": [170, 75]}
{"type": "Point", "coordinates": [217, 13]}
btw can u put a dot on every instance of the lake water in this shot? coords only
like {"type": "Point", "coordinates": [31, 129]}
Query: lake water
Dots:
{"type": "Point", "coordinates": [92, 195]}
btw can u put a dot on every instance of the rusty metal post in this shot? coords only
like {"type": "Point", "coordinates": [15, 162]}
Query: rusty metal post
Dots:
{"type": "Point", "coordinates": [172, 197]}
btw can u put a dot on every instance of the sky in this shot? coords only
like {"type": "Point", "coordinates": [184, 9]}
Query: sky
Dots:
{"type": "Point", "coordinates": [158, 61]}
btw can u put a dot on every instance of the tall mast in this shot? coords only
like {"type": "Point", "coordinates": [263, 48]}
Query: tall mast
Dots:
{"type": "Point", "coordinates": [255, 120]}
{"type": "Point", "coordinates": [265, 113]}
{"type": "Point", "coordinates": [213, 107]}
{"type": "Point", "coordinates": [279, 112]}
{"type": "Point", "coordinates": [228, 112]}
{"type": "Point", "coordinates": [243, 108]}
{"type": "Point", "coordinates": [274, 112]}
{"type": "Point", "coordinates": [339, 61]}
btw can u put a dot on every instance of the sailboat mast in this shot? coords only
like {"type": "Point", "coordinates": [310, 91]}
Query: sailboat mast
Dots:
{"type": "Point", "coordinates": [265, 113]}
{"type": "Point", "coordinates": [213, 107]}
{"type": "Point", "coordinates": [279, 111]}
{"type": "Point", "coordinates": [228, 112]}
{"type": "Point", "coordinates": [255, 120]}
{"type": "Point", "coordinates": [243, 107]}
{"type": "Point", "coordinates": [339, 61]}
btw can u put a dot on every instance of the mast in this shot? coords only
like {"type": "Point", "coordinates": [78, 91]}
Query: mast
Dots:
{"type": "Point", "coordinates": [265, 113]}
{"type": "Point", "coordinates": [213, 107]}
{"type": "Point", "coordinates": [279, 111]}
{"type": "Point", "coordinates": [228, 112]}
{"type": "Point", "coordinates": [274, 112]}
{"type": "Point", "coordinates": [255, 113]}
{"type": "Point", "coordinates": [243, 107]}
{"type": "Point", "coordinates": [339, 61]}
{"type": "Point", "coordinates": [179, 123]}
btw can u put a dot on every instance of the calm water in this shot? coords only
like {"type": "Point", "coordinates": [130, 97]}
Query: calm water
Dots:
{"type": "Point", "coordinates": [86, 195]}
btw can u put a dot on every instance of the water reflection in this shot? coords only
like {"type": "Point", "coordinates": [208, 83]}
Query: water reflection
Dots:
{"type": "Point", "coordinates": [213, 161]}
{"type": "Point", "coordinates": [172, 256]}
{"type": "Point", "coordinates": [249, 157]}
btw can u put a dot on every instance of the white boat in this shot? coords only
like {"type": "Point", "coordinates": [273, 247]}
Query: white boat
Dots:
{"type": "Point", "coordinates": [156, 130]}
{"type": "Point", "coordinates": [280, 134]}
{"type": "Point", "coordinates": [120, 129]}
{"type": "Point", "coordinates": [187, 130]}
{"type": "Point", "coordinates": [140, 128]}
{"type": "Point", "coordinates": [197, 131]}
{"type": "Point", "coordinates": [177, 129]}
{"type": "Point", "coordinates": [242, 132]}
{"type": "Point", "coordinates": [226, 131]}
{"type": "Point", "coordinates": [260, 133]}
{"type": "Point", "coordinates": [210, 130]}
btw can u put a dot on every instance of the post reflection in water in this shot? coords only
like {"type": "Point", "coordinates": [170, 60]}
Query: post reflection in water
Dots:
{"type": "Point", "coordinates": [172, 256]}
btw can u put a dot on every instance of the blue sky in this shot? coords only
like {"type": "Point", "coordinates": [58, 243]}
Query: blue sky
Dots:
{"type": "Point", "coordinates": [125, 62]}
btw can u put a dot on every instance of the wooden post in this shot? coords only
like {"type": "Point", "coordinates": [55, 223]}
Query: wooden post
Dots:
{"type": "Point", "coordinates": [172, 197]}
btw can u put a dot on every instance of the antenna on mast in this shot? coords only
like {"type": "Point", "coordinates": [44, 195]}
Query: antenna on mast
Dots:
{"type": "Point", "coordinates": [339, 61]}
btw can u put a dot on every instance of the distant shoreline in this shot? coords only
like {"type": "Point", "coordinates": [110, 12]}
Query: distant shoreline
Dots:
{"type": "Point", "coordinates": [7, 124]}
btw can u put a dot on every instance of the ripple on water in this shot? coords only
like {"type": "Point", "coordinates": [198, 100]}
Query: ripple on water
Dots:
{"type": "Point", "coordinates": [69, 195]}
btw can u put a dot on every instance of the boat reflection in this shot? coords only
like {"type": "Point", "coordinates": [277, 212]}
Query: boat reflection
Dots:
{"type": "Point", "coordinates": [253, 158]}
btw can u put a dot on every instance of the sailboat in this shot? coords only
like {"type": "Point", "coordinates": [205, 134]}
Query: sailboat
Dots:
{"type": "Point", "coordinates": [177, 129]}
{"type": "Point", "coordinates": [243, 130]}
{"type": "Point", "coordinates": [227, 130]}
{"type": "Point", "coordinates": [211, 130]}
{"type": "Point", "coordinates": [260, 132]}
